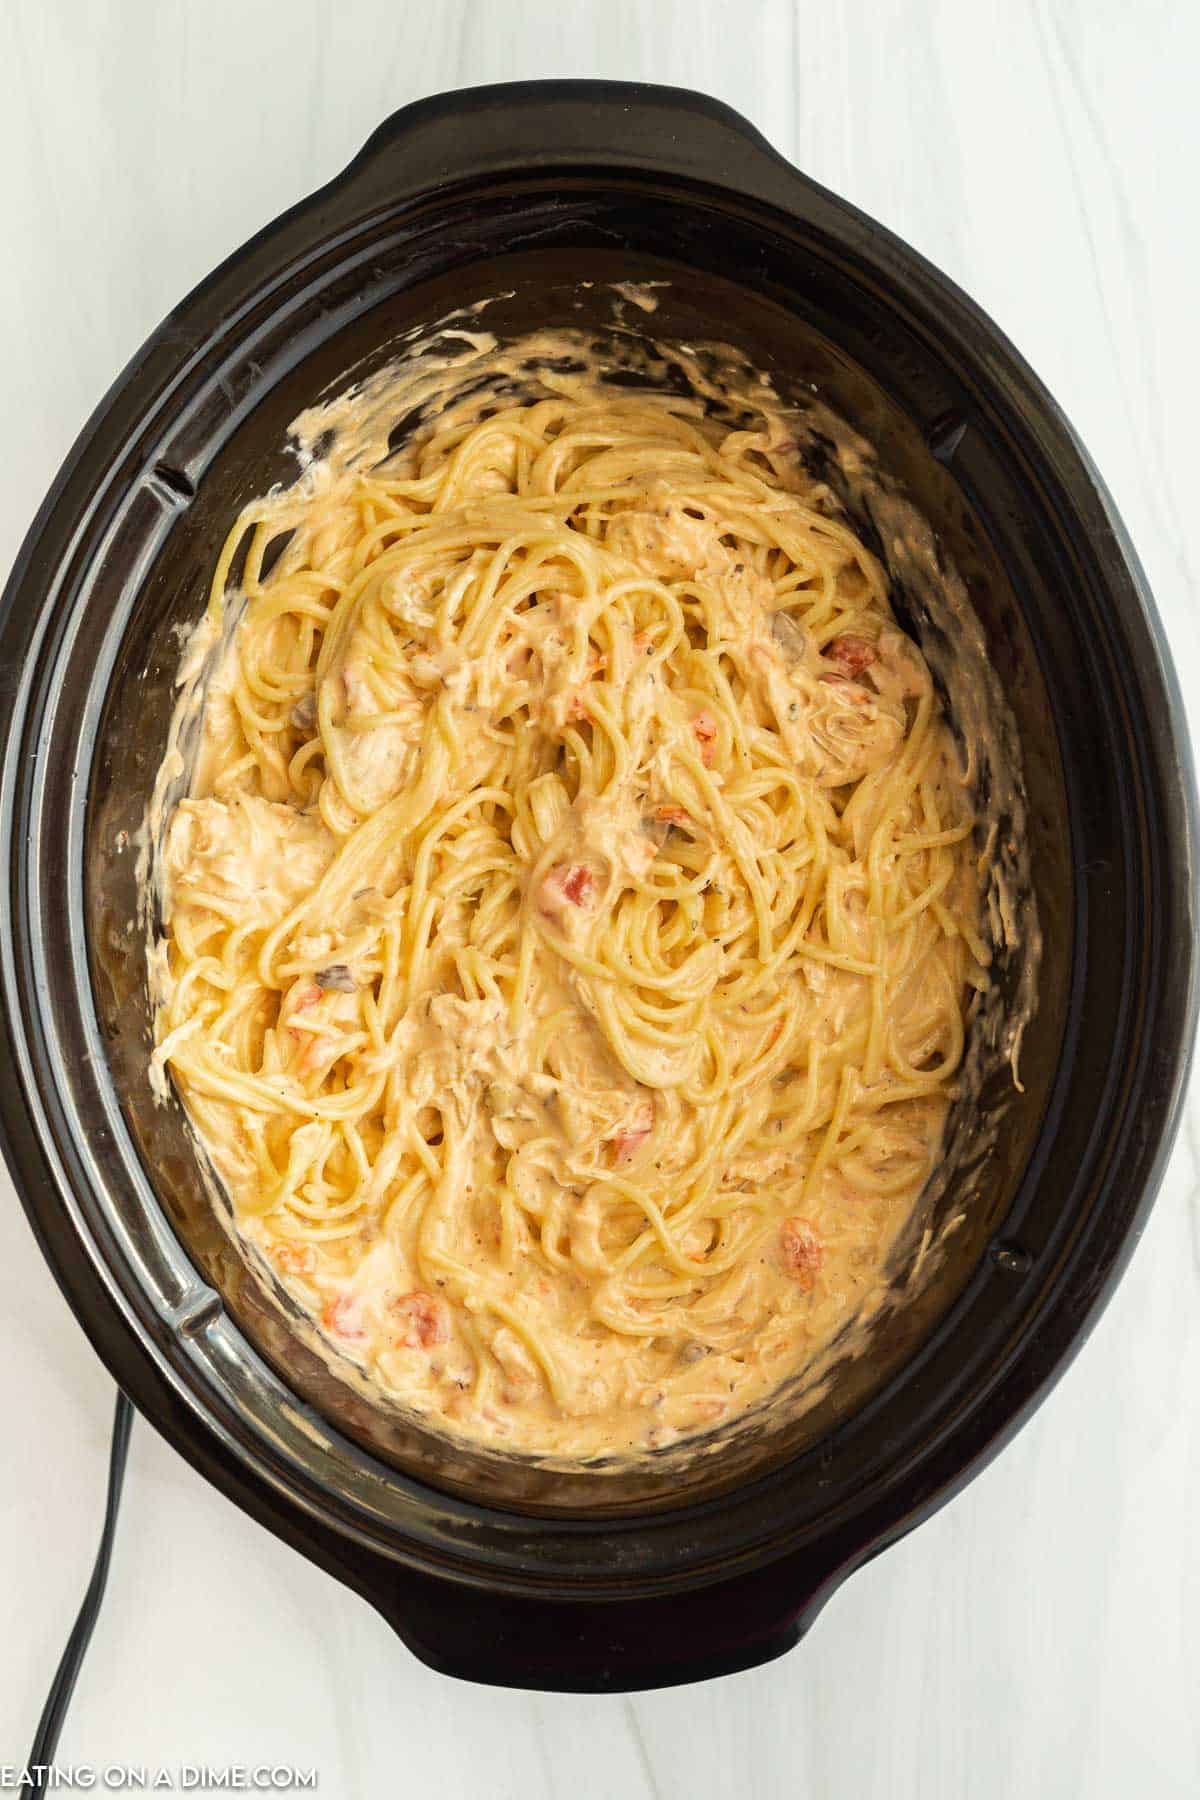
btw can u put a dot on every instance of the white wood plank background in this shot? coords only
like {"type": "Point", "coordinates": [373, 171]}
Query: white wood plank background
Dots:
{"type": "Point", "coordinates": [1041, 1636]}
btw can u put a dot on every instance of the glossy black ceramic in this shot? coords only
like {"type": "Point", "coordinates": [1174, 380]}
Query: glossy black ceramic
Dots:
{"type": "Point", "coordinates": [486, 1567]}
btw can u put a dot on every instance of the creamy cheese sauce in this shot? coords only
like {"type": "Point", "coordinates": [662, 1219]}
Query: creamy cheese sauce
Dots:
{"type": "Point", "coordinates": [573, 917]}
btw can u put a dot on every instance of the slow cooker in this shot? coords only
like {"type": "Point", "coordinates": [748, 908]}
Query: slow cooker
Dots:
{"type": "Point", "coordinates": [536, 197]}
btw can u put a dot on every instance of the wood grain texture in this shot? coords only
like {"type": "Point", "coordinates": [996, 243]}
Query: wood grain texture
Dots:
{"type": "Point", "coordinates": [1040, 1637]}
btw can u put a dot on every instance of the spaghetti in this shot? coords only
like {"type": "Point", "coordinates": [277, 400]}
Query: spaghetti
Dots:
{"type": "Point", "coordinates": [572, 919]}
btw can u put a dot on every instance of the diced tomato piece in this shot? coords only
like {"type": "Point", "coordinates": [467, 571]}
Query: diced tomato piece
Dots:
{"type": "Point", "coordinates": [423, 1320]}
{"type": "Point", "coordinates": [628, 1138]}
{"type": "Point", "coordinates": [568, 885]}
{"type": "Point", "coordinates": [578, 884]}
{"type": "Point", "coordinates": [295, 1259]}
{"type": "Point", "coordinates": [343, 1317]}
{"type": "Point", "coordinates": [705, 727]}
{"type": "Point", "coordinates": [643, 643]}
{"type": "Point", "coordinates": [671, 815]}
{"type": "Point", "coordinates": [850, 655]}
{"type": "Point", "coordinates": [801, 1250]}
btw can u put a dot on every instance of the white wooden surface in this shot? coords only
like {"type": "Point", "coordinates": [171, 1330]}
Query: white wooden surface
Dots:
{"type": "Point", "coordinates": [1041, 1636]}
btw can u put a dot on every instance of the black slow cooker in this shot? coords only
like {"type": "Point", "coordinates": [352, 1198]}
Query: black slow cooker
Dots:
{"type": "Point", "coordinates": [499, 1569]}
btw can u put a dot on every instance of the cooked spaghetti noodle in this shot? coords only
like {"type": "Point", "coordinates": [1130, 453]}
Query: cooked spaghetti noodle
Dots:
{"type": "Point", "coordinates": [572, 920]}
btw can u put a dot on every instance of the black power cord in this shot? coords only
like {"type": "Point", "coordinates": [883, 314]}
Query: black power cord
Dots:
{"type": "Point", "coordinates": [59, 1698]}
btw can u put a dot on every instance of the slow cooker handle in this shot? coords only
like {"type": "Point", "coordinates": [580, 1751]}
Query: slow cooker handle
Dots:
{"type": "Point", "coordinates": [532, 126]}
{"type": "Point", "coordinates": [613, 1646]}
